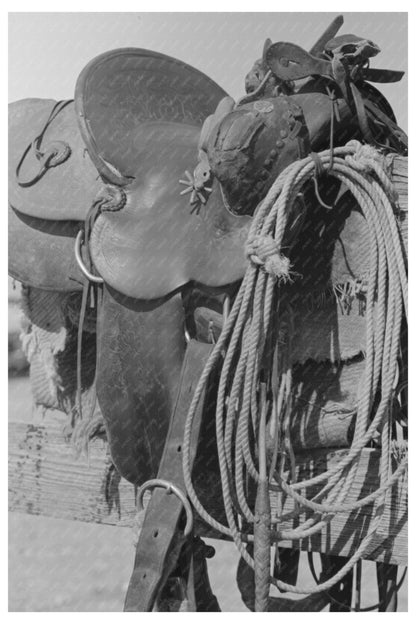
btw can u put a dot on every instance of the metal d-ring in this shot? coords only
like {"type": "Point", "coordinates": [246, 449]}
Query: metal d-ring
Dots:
{"type": "Point", "coordinates": [78, 257]}
{"type": "Point", "coordinates": [225, 314]}
{"type": "Point", "coordinates": [171, 489]}
{"type": "Point", "coordinates": [226, 308]}
{"type": "Point", "coordinates": [187, 335]}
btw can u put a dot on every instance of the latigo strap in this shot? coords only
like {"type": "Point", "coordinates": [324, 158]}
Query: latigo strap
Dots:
{"type": "Point", "coordinates": [162, 537]}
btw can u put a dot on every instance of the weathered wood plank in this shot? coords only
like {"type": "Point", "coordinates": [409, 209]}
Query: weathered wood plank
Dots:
{"type": "Point", "coordinates": [45, 478]}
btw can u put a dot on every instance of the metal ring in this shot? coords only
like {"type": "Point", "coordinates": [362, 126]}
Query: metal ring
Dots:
{"type": "Point", "coordinates": [171, 489]}
{"type": "Point", "coordinates": [226, 308]}
{"type": "Point", "coordinates": [187, 335]}
{"type": "Point", "coordinates": [78, 257]}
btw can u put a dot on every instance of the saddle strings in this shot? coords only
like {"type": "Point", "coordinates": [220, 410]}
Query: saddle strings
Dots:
{"type": "Point", "coordinates": [87, 293]}
{"type": "Point", "coordinates": [240, 351]}
{"type": "Point", "coordinates": [54, 157]}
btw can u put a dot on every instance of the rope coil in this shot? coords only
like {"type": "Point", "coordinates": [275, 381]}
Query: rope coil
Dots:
{"type": "Point", "coordinates": [248, 338]}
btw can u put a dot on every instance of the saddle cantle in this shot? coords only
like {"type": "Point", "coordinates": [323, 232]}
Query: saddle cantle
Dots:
{"type": "Point", "coordinates": [120, 91]}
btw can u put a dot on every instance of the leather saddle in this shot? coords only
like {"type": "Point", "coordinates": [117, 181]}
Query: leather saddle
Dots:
{"type": "Point", "coordinates": [127, 147]}
{"type": "Point", "coordinates": [135, 127]}
{"type": "Point", "coordinates": [164, 205]}
{"type": "Point", "coordinates": [169, 204]}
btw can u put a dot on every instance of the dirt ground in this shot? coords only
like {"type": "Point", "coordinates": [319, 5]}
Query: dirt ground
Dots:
{"type": "Point", "coordinates": [58, 566]}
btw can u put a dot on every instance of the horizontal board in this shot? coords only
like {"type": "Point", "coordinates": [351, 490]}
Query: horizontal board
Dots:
{"type": "Point", "coordinates": [46, 478]}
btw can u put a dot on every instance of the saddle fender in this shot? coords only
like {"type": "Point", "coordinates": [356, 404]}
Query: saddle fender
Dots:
{"type": "Point", "coordinates": [140, 350]}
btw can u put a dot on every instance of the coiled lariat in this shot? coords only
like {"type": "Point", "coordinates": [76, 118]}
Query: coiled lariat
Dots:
{"type": "Point", "coordinates": [251, 358]}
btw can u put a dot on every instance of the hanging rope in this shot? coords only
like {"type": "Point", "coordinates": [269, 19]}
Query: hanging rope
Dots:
{"type": "Point", "coordinates": [250, 335]}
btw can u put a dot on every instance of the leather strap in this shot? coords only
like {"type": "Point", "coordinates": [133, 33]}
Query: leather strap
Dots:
{"type": "Point", "coordinates": [289, 61]}
{"type": "Point", "coordinates": [361, 114]}
{"type": "Point", "coordinates": [326, 36]}
{"type": "Point", "coordinates": [379, 75]}
{"type": "Point", "coordinates": [397, 134]}
{"type": "Point", "coordinates": [161, 538]}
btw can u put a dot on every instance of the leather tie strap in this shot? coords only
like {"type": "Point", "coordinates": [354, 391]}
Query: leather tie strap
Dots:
{"type": "Point", "coordinates": [361, 114]}
{"type": "Point", "coordinates": [161, 538]}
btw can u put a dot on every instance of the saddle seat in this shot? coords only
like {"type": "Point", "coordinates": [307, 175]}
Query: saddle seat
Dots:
{"type": "Point", "coordinates": [157, 242]}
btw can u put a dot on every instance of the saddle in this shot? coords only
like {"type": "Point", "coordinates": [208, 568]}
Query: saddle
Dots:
{"type": "Point", "coordinates": [164, 205]}
{"type": "Point", "coordinates": [161, 172]}
{"type": "Point", "coordinates": [133, 110]}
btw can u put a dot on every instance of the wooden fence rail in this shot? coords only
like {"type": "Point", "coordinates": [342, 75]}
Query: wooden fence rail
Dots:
{"type": "Point", "coordinates": [45, 478]}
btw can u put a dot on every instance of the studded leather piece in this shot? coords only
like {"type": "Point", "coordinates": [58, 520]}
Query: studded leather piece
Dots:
{"type": "Point", "coordinates": [253, 143]}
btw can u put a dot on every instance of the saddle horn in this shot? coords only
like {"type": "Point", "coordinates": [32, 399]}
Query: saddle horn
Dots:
{"type": "Point", "coordinates": [266, 46]}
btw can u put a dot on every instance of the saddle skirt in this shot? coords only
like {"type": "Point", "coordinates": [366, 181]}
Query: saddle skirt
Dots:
{"type": "Point", "coordinates": [41, 253]}
{"type": "Point", "coordinates": [58, 193]}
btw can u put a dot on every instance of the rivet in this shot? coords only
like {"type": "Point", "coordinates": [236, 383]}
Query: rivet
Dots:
{"type": "Point", "coordinates": [267, 162]}
{"type": "Point", "coordinates": [265, 175]}
{"type": "Point", "coordinates": [280, 144]}
{"type": "Point", "coordinates": [273, 153]}
{"type": "Point", "coordinates": [283, 134]}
